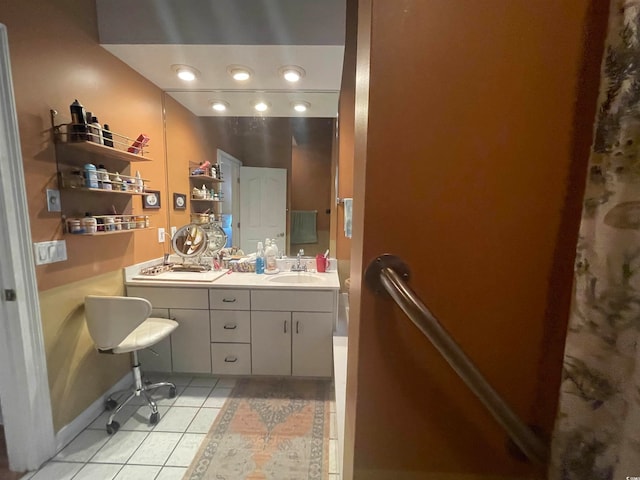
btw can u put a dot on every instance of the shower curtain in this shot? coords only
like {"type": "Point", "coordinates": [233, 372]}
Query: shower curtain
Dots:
{"type": "Point", "coordinates": [597, 433]}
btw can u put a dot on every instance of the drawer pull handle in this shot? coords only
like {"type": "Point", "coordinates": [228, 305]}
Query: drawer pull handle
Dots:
{"type": "Point", "coordinates": [230, 326]}
{"type": "Point", "coordinates": [298, 326]}
{"type": "Point", "coordinates": [228, 300]}
{"type": "Point", "coordinates": [285, 326]}
{"type": "Point", "coordinates": [231, 359]}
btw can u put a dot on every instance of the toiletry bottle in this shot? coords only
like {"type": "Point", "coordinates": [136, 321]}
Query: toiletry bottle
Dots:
{"type": "Point", "coordinates": [102, 174]}
{"type": "Point", "coordinates": [96, 130]}
{"type": "Point", "coordinates": [270, 265]}
{"type": "Point", "coordinates": [106, 182]}
{"type": "Point", "coordinates": [117, 182]}
{"type": "Point", "coordinates": [139, 183]}
{"type": "Point", "coordinates": [275, 246]}
{"type": "Point", "coordinates": [260, 259]}
{"type": "Point", "coordinates": [89, 223]}
{"type": "Point", "coordinates": [107, 136]}
{"type": "Point", "coordinates": [90, 176]}
{"type": "Point", "coordinates": [78, 122]}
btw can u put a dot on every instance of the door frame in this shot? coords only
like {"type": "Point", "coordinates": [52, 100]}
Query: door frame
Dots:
{"type": "Point", "coordinates": [222, 157]}
{"type": "Point", "coordinates": [24, 385]}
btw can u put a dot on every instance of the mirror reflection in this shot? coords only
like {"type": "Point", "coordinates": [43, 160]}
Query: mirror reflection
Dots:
{"type": "Point", "coordinates": [273, 177]}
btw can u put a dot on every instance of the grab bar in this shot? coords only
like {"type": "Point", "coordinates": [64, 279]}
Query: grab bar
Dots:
{"type": "Point", "coordinates": [383, 271]}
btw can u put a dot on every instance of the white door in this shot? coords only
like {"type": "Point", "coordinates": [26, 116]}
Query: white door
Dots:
{"type": "Point", "coordinates": [24, 387]}
{"type": "Point", "coordinates": [263, 206]}
{"type": "Point", "coordinates": [312, 344]}
{"type": "Point", "coordinates": [271, 343]}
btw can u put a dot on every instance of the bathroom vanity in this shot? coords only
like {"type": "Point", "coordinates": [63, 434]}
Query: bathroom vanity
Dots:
{"type": "Point", "coordinates": [242, 323]}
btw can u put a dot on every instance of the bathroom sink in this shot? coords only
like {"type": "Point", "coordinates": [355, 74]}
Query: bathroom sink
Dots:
{"type": "Point", "coordinates": [296, 278]}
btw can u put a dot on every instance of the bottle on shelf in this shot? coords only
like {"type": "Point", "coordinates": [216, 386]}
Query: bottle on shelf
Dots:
{"type": "Point", "coordinates": [139, 183]}
{"type": "Point", "coordinates": [102, 174]}
{"type": "Point", "coordinates": [78, 122]}
{"type": "Point", "coordinates": [260, 259]}
{"type": "Point", "coordinates": [96, 131]}
{"type": "Point", "coordinates": [117, 182]}
{"type": "Point", "coordinates": [90, 176]}
{"type": "Point", "coordinates": [107, 136]}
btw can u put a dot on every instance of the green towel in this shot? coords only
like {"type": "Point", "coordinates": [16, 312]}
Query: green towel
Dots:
{"type": "Point", "coordinates": [303, 226]}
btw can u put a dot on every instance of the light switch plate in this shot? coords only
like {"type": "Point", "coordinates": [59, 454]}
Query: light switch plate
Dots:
{"type": "Point", "coordinates": [173, 231]}
{"type": "Point", "coordinates": [50, 252]}
{"type": "Point", "coordinates": [53, 200]}
{"type": "Point", "coordinates": [161, 235]}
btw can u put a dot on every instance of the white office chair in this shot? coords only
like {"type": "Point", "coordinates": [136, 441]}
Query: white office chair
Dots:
{"type": "Point", "coordinates": [122, 325]}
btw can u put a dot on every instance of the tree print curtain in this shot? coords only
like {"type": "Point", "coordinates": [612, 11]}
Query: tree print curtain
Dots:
{"type": "Point", "coordinates": [597, 432]}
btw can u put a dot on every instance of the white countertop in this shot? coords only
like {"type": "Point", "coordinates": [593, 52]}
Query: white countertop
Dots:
{"type": "Point", "coordinates": [286, 280]}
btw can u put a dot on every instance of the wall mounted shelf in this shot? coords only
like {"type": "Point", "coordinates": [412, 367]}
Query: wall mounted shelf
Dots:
{"type": "Point", "coordinates": [206, 178]}
{"type": "Point", "coordinates": [109, 152]}
{"type": "Point", "coordinates": [99, 234]}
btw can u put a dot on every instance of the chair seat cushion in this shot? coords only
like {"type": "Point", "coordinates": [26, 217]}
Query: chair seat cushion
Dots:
{"type": "Point", "coordinates": [148, 333]}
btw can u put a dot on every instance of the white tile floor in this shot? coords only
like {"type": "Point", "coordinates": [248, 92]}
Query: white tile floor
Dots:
{"type": "Point", "coordinates": [153, 452]}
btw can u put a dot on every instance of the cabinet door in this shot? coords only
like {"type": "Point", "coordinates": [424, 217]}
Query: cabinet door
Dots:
{"type": "Point", "coordinates": [312, 344]}
{"type": "Point", "coordinates": [160, 361]}
{"type": "Point", "coordinates": [190, 344]}
{"type": "Point", "coordinates": [271, 343]}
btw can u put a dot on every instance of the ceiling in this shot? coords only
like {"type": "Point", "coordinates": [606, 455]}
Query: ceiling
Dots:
{"type": "Point", "coordinates": [152, 36]}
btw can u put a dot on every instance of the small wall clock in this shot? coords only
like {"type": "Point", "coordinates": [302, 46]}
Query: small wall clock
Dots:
{"type": "Point", "coordinates": [151, 199]}
{"type": "Point", "coordinates": [179, 201]}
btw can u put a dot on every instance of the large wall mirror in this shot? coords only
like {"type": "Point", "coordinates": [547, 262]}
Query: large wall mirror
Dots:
{"type": "Point", "coordinates": [290, 56]}
{"type": "Point", "coordinates": [274, 179]}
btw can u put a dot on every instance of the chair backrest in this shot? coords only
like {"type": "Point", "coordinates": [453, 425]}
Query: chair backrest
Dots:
{"type": "Point", "coordinates": [111, 319]}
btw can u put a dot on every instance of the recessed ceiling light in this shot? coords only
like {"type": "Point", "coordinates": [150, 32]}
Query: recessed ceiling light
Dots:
{"type": "Point", "coordinates": [301, 106]}
{"type": "Point", "coordinates": [219, 105]}
{"type": "Point", "coordinates": [185, 72]}
{"type": "Point", "coordinates": [261, 106]}
{"type": "Point", "coordinates": [239, 73]}
{"type": "Point", "coordinates": [292, 73]}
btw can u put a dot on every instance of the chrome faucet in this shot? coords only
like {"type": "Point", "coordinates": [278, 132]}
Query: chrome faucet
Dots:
{"type": "Point", "coordinates": [298, 267]}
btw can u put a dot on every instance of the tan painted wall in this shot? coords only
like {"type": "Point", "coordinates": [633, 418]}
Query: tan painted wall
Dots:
{"type": "Point", "coordinates": [478, 118]}
{"type": "Point", "coordinates": [55, 58]}
{"type": "Point", "coordinates": [78, 374]}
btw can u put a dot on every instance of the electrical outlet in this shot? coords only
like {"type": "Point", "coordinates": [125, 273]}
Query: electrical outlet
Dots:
{"type": "Point", "coordinates": [161, 235]}
{"type": "Point", "coordinates": [173, 231]}
{"type": "Point", "coordinates": [53, 200]}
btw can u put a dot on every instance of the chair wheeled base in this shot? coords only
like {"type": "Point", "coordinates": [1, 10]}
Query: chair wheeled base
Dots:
{"type": "Point", "coordinates": [139, 388]}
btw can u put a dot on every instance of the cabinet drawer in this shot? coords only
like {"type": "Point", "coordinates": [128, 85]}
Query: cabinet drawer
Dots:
{"type": "Point", "coordinates": [230, 326]}
{"type": "Point", "coordinates": [229, 299]}
{"type": "Point", "coordinates": [231, 358]}
{"type": "Point", "coordinates": [293, 300]}
{"type": "Point", "coordinates": [167, 297]}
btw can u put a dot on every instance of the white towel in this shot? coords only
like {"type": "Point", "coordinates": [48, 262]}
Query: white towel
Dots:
{"type": "Point", "coordinates": [348, 209]}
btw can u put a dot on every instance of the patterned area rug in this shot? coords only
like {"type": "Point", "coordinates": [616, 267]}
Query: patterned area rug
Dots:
{"type": "Point", "coordinates": [269, 429]}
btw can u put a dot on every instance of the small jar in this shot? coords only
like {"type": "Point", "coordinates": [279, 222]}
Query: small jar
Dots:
{"type": "Point", "coordinates": [109, 224]}
{"type": "Point", "coordinates": [74, 225]}
{"type": "Point", "coordinates": [90, 224]}
{"type": "Point", "coordinates": [140, 222]}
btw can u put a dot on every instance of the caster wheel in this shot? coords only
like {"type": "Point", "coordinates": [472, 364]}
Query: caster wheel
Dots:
{"type": "Point", "coordinates": [113, 427]}
{"type": "Point", "coordinates": [153, 419]}
{"type": "Point", "coordinates": [110, 404]}
{"type": "Point", "coordinates": [172, 392]}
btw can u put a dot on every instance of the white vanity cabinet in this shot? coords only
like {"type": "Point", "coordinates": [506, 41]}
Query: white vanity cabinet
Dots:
{"type": "Point", "coordinates": [292, 332]}
{"type": "Point", "coordinates": [243, 329]}
{"type": "Point", "coordinates": [230, 319]}
{"type": "Point", "coordinates": [189, 343]}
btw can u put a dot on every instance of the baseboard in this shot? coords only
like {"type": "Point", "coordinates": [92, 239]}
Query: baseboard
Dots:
{"type": "Point", "coordinates": [82, 421]}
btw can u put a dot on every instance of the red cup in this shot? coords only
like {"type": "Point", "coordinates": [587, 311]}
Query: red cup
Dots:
{"type": "Point", "coordinates": [321, 263]}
